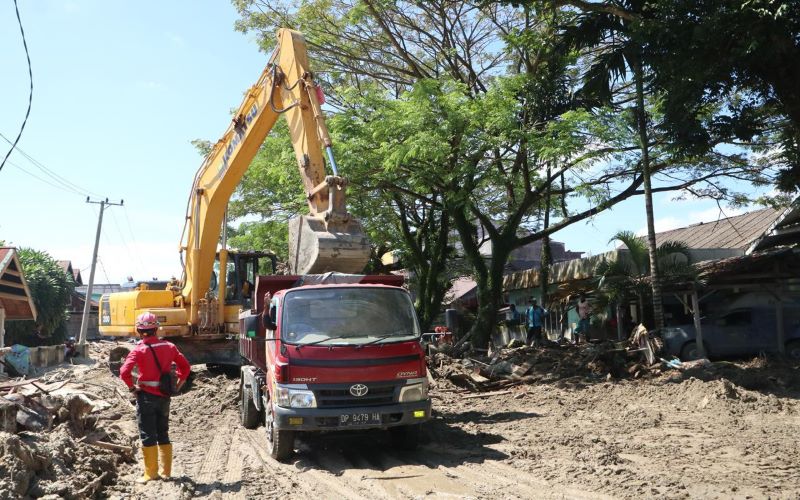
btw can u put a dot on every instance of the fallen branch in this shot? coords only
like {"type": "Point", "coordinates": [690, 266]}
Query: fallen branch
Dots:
{"type": "Point", "coordinates": [19, 383]}
{"type": "Point", "coordinates": [90, 489]}
{"type": "Point", "coordinates": [111, 446]}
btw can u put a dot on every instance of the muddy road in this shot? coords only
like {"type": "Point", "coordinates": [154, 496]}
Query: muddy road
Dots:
{"type": "Point", "coordinates": [676, 436]}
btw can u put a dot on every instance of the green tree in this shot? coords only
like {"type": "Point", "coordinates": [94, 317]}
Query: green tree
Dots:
{"type": "Point", "coordinates": [50, 289]}
{"type": "Point", "coordinates": [629, 275]}
{"type": "Point", "coordinates": [464, 108]}
{"type": "Point", "coordinates": [737, 57]}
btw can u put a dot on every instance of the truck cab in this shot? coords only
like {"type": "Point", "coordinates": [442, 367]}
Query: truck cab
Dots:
{"type": "Point", "coordinates": [331, 353]}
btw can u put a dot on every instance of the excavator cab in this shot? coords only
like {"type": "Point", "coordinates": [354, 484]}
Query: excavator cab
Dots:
{"type": "Point", "coordinates": [240, 277]}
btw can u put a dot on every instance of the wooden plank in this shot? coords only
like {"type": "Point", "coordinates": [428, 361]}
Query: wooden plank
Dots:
{"type": "Point", "coordinates": [11, 385]}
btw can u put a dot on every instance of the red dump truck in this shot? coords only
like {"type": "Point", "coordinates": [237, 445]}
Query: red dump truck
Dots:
{"type": "Point", "coordinates": [332, 352]}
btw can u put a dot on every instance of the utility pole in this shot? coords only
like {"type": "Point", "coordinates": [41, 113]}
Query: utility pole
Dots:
{"type": "Point", "coordinates": [88, 302]}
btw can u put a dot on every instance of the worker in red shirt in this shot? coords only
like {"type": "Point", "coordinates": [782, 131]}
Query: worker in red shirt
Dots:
{"type": "Point", "coordinates": [153, 357]}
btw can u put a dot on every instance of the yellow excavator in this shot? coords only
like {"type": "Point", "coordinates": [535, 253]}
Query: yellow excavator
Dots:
{"type": "Point", "coordinates": [200, 312]}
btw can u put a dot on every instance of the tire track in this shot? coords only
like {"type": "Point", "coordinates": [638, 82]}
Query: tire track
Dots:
{"type": "Point", "coordinates": [320, 482]}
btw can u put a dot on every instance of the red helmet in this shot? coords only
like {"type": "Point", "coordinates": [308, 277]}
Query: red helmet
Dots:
{"type": "Point", "coordinates": [147, 321]}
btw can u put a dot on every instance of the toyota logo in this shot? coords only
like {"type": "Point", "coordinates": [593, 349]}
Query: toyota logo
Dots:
{"type": "Point", "coordinates": [359, 390]}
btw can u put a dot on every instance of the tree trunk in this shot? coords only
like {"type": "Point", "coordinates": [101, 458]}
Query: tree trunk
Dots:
{"type": "Point", "coordinates": [488, 278]}
{"type": "Point", "coordinates": [641, 120]}
{"type": "Point", "coordinates": [547, 258]}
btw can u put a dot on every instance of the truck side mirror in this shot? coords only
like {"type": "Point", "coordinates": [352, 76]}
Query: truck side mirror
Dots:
{"type": "Point", "coordinates": [269, 319]}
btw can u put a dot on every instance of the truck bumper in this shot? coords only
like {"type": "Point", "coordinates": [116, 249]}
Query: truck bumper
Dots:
{"type": "Point", "coordinates": [341, 419]}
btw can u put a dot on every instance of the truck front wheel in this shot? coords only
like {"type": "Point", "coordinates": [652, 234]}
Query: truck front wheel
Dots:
{"type": "Point", "coordinates": [247, 408]}
{"type": "Point", "coordinates": [405, 437]}
{"type": "Point", "coordinates": [280, 444]}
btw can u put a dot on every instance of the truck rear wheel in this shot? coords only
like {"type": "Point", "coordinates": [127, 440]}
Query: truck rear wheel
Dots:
{"type": "Point", "coordinates": [405, 437]}
{"type": "Point", "coordinates": [280, 444]}
{"type": "Point", "coordinates": [247, 408]}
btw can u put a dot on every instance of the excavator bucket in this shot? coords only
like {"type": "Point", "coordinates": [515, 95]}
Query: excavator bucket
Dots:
{"type": "Point", "coordinates": [316, 247]}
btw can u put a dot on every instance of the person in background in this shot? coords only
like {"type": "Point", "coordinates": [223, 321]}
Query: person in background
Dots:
{"type": "Point", "coordinates": [515, 318]}
{"type": "Point", "coordinates": [534, 317]}
{"type": "Point", "coordinates": [70, 351]}
{"type": "Point", "coordinates": [153, 357]}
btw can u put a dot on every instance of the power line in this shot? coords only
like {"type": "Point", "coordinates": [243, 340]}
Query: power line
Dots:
{"type": "Point", "coordinates": [124, 240]}
{"type": "Point", "coordinates": [133, 238]}
{"type": "Point", "coordinates": [50, 173]}
{"type": "Point", "coordinates": [49, 183]}
{"type": "Point", "coordinates": [30, 94]}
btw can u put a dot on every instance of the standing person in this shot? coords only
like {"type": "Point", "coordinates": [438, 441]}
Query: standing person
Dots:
{"type": "Point", "coordinates": [153, 357]}
{"type": "Point", "coordinates": [584, 315]}
{"type": "Point", "coordinates": [534, 318]}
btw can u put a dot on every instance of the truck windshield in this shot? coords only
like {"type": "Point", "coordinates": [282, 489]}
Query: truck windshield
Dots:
{"type": "Point", "coordinates": [352, 315]}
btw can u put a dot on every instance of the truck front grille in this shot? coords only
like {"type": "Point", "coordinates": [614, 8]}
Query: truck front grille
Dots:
{"type": "Point", "coordinates": [339, 396]}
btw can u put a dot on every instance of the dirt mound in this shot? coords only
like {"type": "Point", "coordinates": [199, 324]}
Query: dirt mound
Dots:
{"type": "Point", "coordinates": [55, 463]}
{"type": "Point", "coordinates": [207, 394]}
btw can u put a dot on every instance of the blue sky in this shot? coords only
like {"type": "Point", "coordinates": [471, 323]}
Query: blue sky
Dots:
{"type": "Point", "coordinates": [120, 90]}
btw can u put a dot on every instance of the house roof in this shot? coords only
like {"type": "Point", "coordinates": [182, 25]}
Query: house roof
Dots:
{"type": "Point", "coordinates": [15, 296]}
{"type": "Point", "coordinates": [784, 231]}
{"type": "Point", "coordinates": [737, 232]}
{"type": "Point", "coordinates": [66, 265]}
{"type": "Point", "coordinates": [463, 290]}
{"type": "Point", "coordinates": [729, 235]}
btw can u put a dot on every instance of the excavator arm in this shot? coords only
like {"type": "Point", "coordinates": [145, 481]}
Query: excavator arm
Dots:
{"type": "Point", "coordinates": [328, 238]}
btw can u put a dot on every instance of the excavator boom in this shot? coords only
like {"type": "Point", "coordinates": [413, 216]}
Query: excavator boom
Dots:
{"type": "Point", "coordinates": [328, 238]}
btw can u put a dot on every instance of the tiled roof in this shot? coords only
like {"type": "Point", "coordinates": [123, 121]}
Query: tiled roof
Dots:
{"type": "Point", "coordinates": [737, 232]}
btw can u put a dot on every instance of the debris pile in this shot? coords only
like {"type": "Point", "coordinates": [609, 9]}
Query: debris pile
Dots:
{"type": "Point", "coordinates": [63, 433]}
{"type": "Point", "coordinates": [521, 364]}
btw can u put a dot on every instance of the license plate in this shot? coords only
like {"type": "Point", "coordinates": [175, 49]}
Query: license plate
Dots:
{"type": "Point", "coordinates": [360, 419]}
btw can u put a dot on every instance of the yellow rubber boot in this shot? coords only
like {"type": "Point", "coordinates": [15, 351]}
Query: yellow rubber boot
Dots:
{"type": "Point", "coordinates": [150, 458]}
{"type": "Point", "coordinates": [165, 457]}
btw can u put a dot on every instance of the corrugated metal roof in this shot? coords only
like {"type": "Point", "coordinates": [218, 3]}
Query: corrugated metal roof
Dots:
{"type": "Point", "coordinates": [732, 232]}
{"type": "Point", "coordinates": [784, 231]}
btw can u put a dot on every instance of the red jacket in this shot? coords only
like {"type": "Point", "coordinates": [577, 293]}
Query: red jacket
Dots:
{"type": "Point", "coordinates": [142, 357]}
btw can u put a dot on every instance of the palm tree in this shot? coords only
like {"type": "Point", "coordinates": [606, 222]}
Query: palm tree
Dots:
{"type": "Point", "coordinates": [618, 57]}
{"type": "Point", "coordinates": [630, 274]}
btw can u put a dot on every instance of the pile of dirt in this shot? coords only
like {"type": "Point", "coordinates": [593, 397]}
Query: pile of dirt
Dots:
{"type": "Point", "coordinates": [66, 433]}
{"type": "Point", "coordinates": [542, 364]}
{"type": "Point", "coordinates": [54, 463]}
{"type": "Point", "coordinates": [207, 394]}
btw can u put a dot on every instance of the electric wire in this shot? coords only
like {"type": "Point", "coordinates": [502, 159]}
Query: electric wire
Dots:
{"type": "Point", "coordinates": [50, 173]}
{"type": "Point", "coordinates": [125, 241]}
{"type": "Point", "coordinates": [100, 261]}
{"type": "Point", "coordinates": [30, 93]}
{"type": "Point", "coordinates": [133, 238]}
{"type": "Point", "coordinates": [49, 183]}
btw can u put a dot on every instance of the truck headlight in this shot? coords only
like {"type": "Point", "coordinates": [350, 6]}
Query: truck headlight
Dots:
{"type": "Point", "coordinates": [415, 390]}
{"type": "Point", "coordinates": [302, 399]}
{"type": "Point", "coordinates": [297, 396]}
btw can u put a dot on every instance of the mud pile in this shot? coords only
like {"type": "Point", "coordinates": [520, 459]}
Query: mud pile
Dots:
{"type": "Point", "coordinates": [54, 463]}
{"type": "Point", "coordinates": [65, 433]}
{"type": "Point", "coordinates": [548, 363]}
